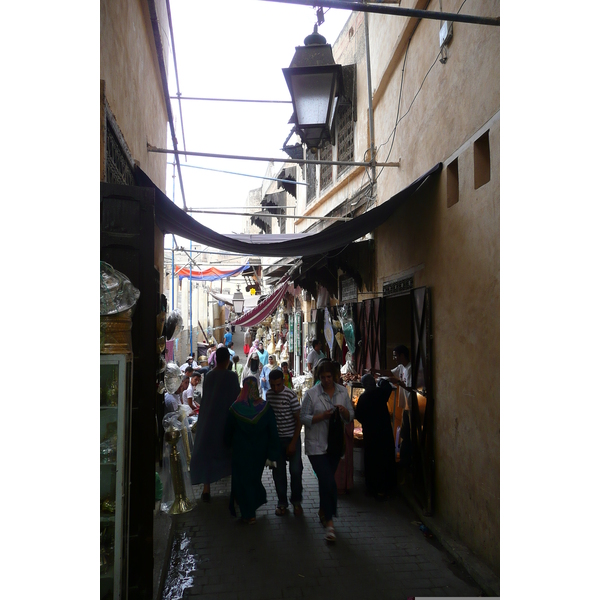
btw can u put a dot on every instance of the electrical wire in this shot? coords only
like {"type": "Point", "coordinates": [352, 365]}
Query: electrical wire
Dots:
{"type": "Point", "coordinates": [415, 97]}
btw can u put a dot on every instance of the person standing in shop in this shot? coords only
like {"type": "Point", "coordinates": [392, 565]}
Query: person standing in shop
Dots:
{"type": "Point", "coordinates": [372, 412]}
{"type": "Point", "coordinates": [211, 458]}
{"type": "Point", "coordinates": [315, 355]}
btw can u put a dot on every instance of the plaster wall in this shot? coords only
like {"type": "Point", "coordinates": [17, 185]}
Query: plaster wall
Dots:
{"type": "Point", "coordinates": [456, 252]}
{"type": "Point", "coordinates": [453, 250]}
{"type": "Point", "coordinates": [133, 88]}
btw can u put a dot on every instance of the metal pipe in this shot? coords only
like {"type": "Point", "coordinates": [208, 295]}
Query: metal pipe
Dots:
{"type": "Point", "coordinates": [173, 257]}
{"type": "Point", "coordinates": [370, 95]}
{"type": "Point", "coordinates": [190, 307]}
{"type": "Point", "coordinates": [397, 11]}
{"type": "Point", "coordinates": [231, 100]}
{"type": "Point", "coordinates": [165, 86]}
{"type": "Point", "coordinates": [300, 161]}
{"type": "Point", "coordinates": [240, 214]}
{"type": "Point", "coordinates": [176, 72]}
{"type": "Point", "coordinates": [246, 175]}
{"type": "Point", "coordinates": [248, 207]}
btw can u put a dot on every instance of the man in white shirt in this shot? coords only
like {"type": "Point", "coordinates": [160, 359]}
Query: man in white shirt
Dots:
{"type": "Point", "coordinates": [188, 395]}
{"type": "Point", "coordinates": [189, 363]}
{"type": "Point", "coordinates": [315, 355]}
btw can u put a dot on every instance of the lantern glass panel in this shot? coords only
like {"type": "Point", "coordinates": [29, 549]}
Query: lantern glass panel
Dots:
{"type": "Point", "coordinates": [312, 94]}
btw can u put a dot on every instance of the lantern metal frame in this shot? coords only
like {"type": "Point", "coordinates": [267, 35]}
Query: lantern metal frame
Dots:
{"type": "Point", "coordinates": [315, 58]}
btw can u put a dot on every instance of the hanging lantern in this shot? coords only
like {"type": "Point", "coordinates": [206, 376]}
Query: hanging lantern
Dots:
{"type": "Point", "coordinates": [315, 81]}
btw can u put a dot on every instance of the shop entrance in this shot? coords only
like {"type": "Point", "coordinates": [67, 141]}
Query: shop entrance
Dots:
{"type": "Point", "coordinates": [408, 322]}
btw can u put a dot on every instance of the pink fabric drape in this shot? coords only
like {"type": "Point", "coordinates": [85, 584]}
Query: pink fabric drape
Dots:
{"type": "Point", "coordinates": [260, 312]}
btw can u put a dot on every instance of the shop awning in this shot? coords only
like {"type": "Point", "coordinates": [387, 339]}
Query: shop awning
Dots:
{"type": "Point", "coordinates": [264, 309]}
{"type": "Point", "coordinates": [210, 273]}
{"type": "Point", "coordinates": [172, 219]}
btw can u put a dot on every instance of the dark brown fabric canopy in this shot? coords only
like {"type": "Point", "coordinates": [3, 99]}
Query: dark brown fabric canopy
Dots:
{"type": "Point", "coordinates": [172, 219]}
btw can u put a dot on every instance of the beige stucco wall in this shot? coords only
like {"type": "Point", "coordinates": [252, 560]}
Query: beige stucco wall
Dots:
{"type": "Point", "coordinates": [454, 251]}
{"type": "Point", "coordinates": [132, 85]}
{"type": "Point", "coordinates": [133, 88]}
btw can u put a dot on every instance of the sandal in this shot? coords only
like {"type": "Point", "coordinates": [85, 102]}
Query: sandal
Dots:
{"type": "Point", "coordinates": [250, 521]}
{"type": "Point", "coordinates": [205, 496]}
{"type": "Point", "coordinates": [280, 511]}
{"type": "Point", "coordinates": [330, 534]}
{"type": "Point", "coordinates": [298, 509]}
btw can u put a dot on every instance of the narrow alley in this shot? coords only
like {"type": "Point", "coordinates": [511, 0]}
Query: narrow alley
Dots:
{"type": "Point", "coordinates": [380, 551]}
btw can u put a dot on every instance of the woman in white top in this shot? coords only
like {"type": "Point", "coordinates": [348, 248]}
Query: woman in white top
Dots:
{"type": "Point", "coordinates": [318, 406]}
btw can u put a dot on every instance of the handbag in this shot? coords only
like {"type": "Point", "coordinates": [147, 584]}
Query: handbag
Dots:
{"type": "Point", "coordinates": [336, 442]}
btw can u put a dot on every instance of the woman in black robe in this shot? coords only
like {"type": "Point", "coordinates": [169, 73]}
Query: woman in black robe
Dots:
{"type": "Point", "coordinates": [372, 412]}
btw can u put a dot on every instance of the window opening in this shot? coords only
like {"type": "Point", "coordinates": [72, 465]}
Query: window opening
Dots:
{"type": "Point", "coordinates": [481, 160]}
{"type": "Point", "coordinates": [452, 183]}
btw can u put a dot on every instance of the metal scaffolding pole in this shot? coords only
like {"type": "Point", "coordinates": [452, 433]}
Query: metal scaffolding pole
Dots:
{"type": "Point", "coordinates": [397, 11]}
{"type": "Point", "coordinates": [300, 161]}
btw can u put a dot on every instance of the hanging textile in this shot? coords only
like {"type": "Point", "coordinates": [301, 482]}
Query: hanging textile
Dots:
{"type": "Point", "coordinates": [264, 309]}
{"type": "Point", "coordinates": [209, 274]}
{"type": "Point", "coordinates": [172, 219]}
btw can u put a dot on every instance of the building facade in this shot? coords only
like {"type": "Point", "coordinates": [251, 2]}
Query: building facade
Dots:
{"type": "Point", "coordinates": [432, 104]}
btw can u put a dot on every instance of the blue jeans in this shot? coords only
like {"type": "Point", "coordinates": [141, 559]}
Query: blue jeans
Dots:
{"type": "Point", "coordinates": [280, 474]}
{"type": "Point", "coordinates": [325, 466]}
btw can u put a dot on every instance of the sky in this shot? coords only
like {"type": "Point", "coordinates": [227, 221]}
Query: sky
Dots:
{"type": "Point", "coordinates": [234, 50]}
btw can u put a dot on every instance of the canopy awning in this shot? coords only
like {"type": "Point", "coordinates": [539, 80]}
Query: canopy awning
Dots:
{"type": "Point", "coordinates": [209, 274]}
{"type": "Point", "coordinates": [264, 309]}
{"type": "Point", "coordinates": [172, 219]}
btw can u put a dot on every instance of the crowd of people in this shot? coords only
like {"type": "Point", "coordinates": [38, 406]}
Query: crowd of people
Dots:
{"type": "Point", "coordinates": [249, 418]}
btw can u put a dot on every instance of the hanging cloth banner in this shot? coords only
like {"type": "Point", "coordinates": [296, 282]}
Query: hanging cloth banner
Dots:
{"type": "Point", "coordinates": [172, 219]}
{"type": "Point", "coordinates": [209, 274]}
{"type": "Point", "coordinates": [264, 309]}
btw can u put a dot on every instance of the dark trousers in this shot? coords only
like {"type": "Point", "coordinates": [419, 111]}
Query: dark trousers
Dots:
{"type": "Point", "coordinates": [280, 475]}
{"type": "Point", "coordinates": [325, 466]}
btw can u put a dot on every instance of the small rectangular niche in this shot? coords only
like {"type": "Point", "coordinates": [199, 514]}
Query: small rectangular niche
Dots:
{"type": "Point", "coordinates": [481, 160]}
{"type": "Point", "coordinates": [452, 183]}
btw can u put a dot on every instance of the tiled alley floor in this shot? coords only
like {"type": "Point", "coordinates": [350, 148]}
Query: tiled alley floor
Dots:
{"type": "Point", "coordinates": [380, 552]}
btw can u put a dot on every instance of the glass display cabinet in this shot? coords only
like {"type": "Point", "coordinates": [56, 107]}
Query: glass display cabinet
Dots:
{"type": "Point", "coordinates": [115, 408]}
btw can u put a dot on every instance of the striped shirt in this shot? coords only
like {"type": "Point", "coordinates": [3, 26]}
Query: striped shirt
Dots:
{"type": "Point", "coordinates": [285, 404]}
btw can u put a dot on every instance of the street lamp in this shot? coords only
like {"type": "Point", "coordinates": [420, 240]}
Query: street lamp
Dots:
{"type": "Point", "coordinates": [315, 81]}
{"type": "Point", "coordinates": [238, 302]}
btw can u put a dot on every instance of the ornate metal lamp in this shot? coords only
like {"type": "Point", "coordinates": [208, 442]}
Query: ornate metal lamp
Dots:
{"type": "Point", "coordinates": [315, 81]}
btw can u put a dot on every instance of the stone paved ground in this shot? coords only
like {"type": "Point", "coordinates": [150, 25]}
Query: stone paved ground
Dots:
{"type": "Point", "coordinates": [380, 551]}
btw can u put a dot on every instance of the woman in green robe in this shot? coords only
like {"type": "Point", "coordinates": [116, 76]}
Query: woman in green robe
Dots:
{"type": "Point", "coordinates": [251, 431]}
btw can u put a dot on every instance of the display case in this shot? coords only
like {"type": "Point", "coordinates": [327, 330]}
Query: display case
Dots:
{"type": "Point", "coordinates": [115, 408]}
